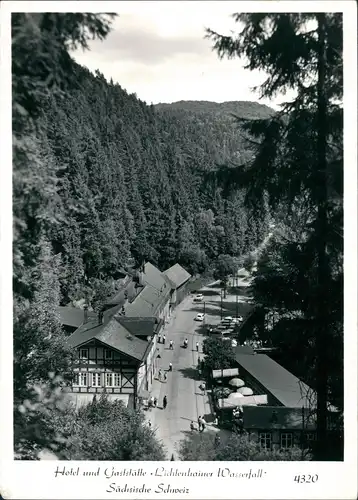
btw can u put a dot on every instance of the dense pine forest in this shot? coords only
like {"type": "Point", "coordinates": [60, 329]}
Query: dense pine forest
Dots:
{"type": "Point", "coordinates": [103, 182]}
{"type": "Point", "coordinates": [131, 183]}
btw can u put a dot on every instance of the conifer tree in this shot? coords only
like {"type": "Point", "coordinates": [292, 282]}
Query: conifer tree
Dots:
{"type": "Point", "coordinates": [294, 158]}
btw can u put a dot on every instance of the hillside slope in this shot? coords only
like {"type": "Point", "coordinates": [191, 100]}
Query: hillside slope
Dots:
{"type": "Point", "coordinates": [242, 109]}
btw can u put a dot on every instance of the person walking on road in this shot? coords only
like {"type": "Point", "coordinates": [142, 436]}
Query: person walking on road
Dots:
{"type": "Point", "coordinates": [155, 402]}
{"type": "Point", "coordinates": [171, 345]}
{"type": "Point", "coordinates": [160, 375]}
{"type": "Point", "coordinates": [197, 346]}
{"type": "Point", "coordinates": [203, 424]}
{"type": "Point", "coordinates": [199, 423]}
{"type": "Point", "coordinates": [192, 426]}
{"type": "Point", "coordinates": [165, 402]}
{"type": "Point", "coordinates": [165, 377]}
{"type": "Point", "coordinates": [170, 367]}
{"type": "Point", "coordinates": [164, 339]}
{"type": "Point", "coordinates": [159, 339]}
{"type": "Point", "coordinates": [203, 387]}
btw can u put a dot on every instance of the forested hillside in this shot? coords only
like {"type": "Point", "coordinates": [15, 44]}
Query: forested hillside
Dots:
{"type": "Point", "coordinates": [132, 184]}
{"type": "Point", "coordinates": [101, 181]}
{"type": "Point", "coordinates": [242, 109]}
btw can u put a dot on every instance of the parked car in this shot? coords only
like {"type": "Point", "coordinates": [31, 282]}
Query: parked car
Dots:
{"type": "Point", "coordinates": [239, 319]}
{"type": "Point", "coordinates": [227, 319]}
{"type": "Point", "coordinates": [199, 317]}
{"type": "Point", "coordinates": [199, 297]}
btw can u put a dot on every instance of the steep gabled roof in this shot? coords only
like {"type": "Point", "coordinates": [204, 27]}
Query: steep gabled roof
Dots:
{"type": "Point", "coordinates": [177, 275]}
{"type": "Point", "coordinates": [138, 326]}
{"type": "Point", "coordinates": [113, 334]}
{"type": "Point", "coordinates": [132, 290]}
{"type": "Point", "coordinates": [72, 316]}
{"type": "Point", "coordinates": [153, 277]}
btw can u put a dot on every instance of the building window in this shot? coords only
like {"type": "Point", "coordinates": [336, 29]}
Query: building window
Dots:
{"type": "Point", "coordinates": [109, 379]}
{"type": "Point", "coordinates": [108, 354]}
{"type": "Point", "coordinates": [96, 379]}
{"type": "Point", "coordinates": [265, 440]}
{"type": "Point", "coordinates": [116, 379]}
{"type": "Point", "coordinates": [286, 440]}
{"type": "Point", "coordinates": [81, 379]}
{"type": "Point", "coordinates": [84, 353]}
{"type": "Point", "coordinates": [310, 436]}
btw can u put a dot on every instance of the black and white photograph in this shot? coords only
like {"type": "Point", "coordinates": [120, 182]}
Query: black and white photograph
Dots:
{"type": "Point", "coordinates": [177, 238]}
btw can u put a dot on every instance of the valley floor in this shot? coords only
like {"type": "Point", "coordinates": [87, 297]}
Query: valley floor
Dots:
{"type": "Point", "coordinates": [186, 400]}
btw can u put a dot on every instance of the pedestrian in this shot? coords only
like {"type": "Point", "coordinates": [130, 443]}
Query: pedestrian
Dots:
{"type": "Point", "coordinates": [192, 426]}
{"type": "Point", "coordinates": [197, 346]}
{"type": "Point", "coordinates": [164, 339]}
{"type": "Point", "coordinates": [155, 402]}
{"type": "Point", "coordinates": [159, 339]}
{"type": "Point", "coordinates": [170, 367]}
{"type": "Point", "coordinates": [160, 375]}
{"type": "Point", "coordinates": [165, 377]}
{"type": "Point", "coordinates": [203, 424]}
{"type": "Point", "coordinates": [216, 422]}
{"type": "Point", "coordinates": [149, 424]}
{"type": "Point", "coordinates": [199, 423]}
{"type": "Point", "coordinates": [203, 387]}
{"type": "Point", "coordinates": [165, 402]}
{"type": "Point", "coordinates": [171, 345]}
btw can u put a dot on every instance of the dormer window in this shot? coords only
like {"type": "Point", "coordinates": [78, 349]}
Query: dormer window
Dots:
{"type": "Point", "coordinates": [84, 353]}
{"type": "Point", "coordinates": [108, 354]}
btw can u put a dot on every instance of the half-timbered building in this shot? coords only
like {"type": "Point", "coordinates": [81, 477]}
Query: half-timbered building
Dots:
{"type": "Point", "coordinates": [110, 359]}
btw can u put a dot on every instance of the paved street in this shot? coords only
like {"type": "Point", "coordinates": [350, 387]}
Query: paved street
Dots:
{"type": "Point", "coordinates": [186, 400]}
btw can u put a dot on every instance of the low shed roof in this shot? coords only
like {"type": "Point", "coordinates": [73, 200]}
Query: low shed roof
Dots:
{"type": "Point", "coordinates": [277, 417]}
{"type": "Point", "coordinates": [72, 316]}
{"type": "Point", "coordinates": [282, 384]}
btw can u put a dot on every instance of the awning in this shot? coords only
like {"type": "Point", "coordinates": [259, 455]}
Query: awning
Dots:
{"type": "Point", "coordinates": [228, 372]}
{"type": "Point", "coordinates": [232, 402]}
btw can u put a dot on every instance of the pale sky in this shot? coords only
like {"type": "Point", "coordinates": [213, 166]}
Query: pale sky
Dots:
{"type": "Point", "coordinates": [157, 50]}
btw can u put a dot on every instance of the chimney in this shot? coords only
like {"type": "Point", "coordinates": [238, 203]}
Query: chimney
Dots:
{"type": "Point", "coordinates": [100, 317]}
{"type": "Point", "coordinates": [85, 314]}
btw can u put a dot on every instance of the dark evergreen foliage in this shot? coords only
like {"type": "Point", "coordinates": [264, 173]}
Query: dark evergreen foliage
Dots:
{"type": "Point", "coordinates": [101, 182]}
{"type": "Point", "coordinates": [297, 168]}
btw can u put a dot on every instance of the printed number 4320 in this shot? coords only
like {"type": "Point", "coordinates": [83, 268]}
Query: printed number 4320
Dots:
{"type": "Point", "coordinates": [306, 479]}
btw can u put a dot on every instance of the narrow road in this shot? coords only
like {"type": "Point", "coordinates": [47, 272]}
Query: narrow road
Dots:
{"type": "Point", "coordinates": [186, 400]}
